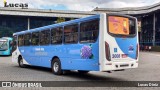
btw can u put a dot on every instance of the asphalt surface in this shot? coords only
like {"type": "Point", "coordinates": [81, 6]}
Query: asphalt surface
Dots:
{"type": "Point", "coordinates": [148, 70]}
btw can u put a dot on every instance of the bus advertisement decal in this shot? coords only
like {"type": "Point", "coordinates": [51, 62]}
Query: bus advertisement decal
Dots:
{"type": "Point", "coordinates": [86, 52]}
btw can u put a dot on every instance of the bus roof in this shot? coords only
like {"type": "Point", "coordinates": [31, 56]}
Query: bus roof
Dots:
{"type": "Point", "coordinates": [8, 38]}
{"type": "Point", "coordinates": [2, 39]}
{"type": "Point", "coordinates": [58, 24]}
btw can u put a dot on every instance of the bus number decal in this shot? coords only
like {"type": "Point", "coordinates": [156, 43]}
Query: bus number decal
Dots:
{"type": "Point", "coordinates": [116, 55]}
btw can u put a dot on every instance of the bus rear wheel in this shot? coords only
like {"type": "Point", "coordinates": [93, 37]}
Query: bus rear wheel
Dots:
{"type": "Point", "coordinates": [20, 62]}
{"type": "Point", "coordinates": [56, 67]}
{"type": "Point", "coordinates": [82, 71]}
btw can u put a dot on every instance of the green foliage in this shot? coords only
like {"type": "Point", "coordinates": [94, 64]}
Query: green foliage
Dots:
{"type": "Point", "coordinates": [72, 18]}
{"type": "Point", "coordinates": [139, 29]}
{"type": "Point", "coordinates": [60, 19]}
{"type": "Point", "coordinates": [6, 32]}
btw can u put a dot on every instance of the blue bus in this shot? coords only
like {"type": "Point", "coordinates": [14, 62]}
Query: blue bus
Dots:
{"type": "Point", "coordinates": [103, 42]}
{"type": "Point", "coordinates": [6, 46]}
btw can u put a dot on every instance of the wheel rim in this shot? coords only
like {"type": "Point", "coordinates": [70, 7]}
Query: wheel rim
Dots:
{"type": "Point", "coordinates": [21, 62]}
{"type": "Point", "coordinates": [56, 66]}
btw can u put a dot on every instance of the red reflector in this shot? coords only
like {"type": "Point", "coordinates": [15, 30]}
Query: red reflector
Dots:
{"type": "Point", "coordinates": [124, 55]}
{"type": "Point", "coordinates": [107, 51]}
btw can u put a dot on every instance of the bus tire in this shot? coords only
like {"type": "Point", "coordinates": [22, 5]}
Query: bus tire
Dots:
{"type": "Point", "coordinates": [56, 67]}
{"type": "Point", "coordinates": [20, 62]}
{"type": "Point", "coordinates": [83, 72]}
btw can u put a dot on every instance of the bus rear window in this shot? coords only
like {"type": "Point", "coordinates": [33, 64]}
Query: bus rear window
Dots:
{"type": "Point", "coordinates": [119, 25]}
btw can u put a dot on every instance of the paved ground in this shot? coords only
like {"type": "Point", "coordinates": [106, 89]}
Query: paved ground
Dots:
{"type": "Point", "coordinates": [149, 65]}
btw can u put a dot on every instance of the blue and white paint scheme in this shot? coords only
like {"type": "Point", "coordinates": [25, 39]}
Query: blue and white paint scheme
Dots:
{"type": "Point", "coordinates": [6, 46]}
{"type": "Point", "coordinates": [122, 52]}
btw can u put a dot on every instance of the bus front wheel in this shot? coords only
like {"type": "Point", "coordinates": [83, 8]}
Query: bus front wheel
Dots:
{"type": "Point", "coordinates": [56, 67]}
{"type": "Point", "coordinates": [20, 62]}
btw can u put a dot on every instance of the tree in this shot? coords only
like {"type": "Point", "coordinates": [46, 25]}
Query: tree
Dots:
{"type": "Point", "coordinates": [139, 29]}
{"type": "Point", "coordinates": [60, 19]}
{"type": "Point", "coordinates": [6, 32]}
{"type": "Point", "coordinates": [72, 18]}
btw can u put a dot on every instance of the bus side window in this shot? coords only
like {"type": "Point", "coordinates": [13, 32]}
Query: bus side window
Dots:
{"type": "Point", "coordinates": [56, 35]}
{"type": "Point", "coordinates": [21, 40]}
{"type": "Point", "coordinates": [89, 31]}
{"type": "Point", "coordinates": [132, 26]}
{"type": "Point", "coordinates": [71, 33]}
{"type": "Point", "coordinates": [27, 40]}
{"type": "Point", "coordinates": [35, 38]}
{"type": "Point", "coordinates": [45, 37]}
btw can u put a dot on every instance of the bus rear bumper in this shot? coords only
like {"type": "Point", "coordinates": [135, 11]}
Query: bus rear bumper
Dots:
{"type": "Point", "coordinates": [116, 66]}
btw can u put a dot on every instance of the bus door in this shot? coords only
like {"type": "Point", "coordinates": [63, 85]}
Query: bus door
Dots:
{"type": "Point", "coordinates": [14, 49]}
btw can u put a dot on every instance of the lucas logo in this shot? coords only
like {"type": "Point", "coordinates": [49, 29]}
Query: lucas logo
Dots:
{"type": "Point", "coordinates": [22, 5]}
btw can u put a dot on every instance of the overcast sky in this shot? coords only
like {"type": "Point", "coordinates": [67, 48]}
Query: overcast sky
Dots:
{"type": "Point", "coordinates": [82, 5]}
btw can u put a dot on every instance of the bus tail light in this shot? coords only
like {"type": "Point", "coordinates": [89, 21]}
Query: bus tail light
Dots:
{"type": "Point", "coordinates": [137, 49]}
{"type": "Point", "coordinates": [107, 49]}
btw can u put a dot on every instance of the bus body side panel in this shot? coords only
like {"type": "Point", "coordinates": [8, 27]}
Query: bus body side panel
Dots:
{"type": "Point", "coordinates": [30, 55]}
{"type": "Point", "coordinates": [70, 56]}
{"type": "Point", "coordinates": [117, 47]}
{"type": "Point", "coordinates": [17, 53]}
{"type": "Point", "coordinates": [37, 55]}
{"type": "Point", "coordinates": [46, 55]}
{"type": "Point", "coordinates": [81, 57]}
{"type": "Point", "coordinates": [8, 51]}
